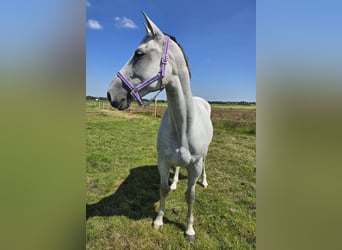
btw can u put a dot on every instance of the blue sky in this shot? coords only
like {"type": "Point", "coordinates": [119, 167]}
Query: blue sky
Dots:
{"type": "Point", "coordinates": [218, 37]}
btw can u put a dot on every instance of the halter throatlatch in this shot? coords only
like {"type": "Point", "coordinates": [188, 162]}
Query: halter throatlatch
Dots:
{"type": "Point", "coordinates": [134, 90]}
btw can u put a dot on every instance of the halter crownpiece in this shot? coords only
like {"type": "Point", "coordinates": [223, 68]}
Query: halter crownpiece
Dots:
{"type": "Point", "coordinates": [134, 90]}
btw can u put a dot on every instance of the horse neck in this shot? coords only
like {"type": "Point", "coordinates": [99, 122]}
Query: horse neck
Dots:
{"type": "Point", "coordinates": [180, 103]}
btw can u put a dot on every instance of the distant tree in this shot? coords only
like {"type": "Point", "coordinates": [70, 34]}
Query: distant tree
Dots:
{"type": "Point", "coordinates": [89, 97]}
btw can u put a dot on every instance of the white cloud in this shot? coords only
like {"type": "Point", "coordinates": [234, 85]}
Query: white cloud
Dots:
{"type": "Point", "coordinates": [88, 4]}
{"type": "Point", "coordinates": [94, 24]}
{"type": "Point", "coordinates": [124, 22]}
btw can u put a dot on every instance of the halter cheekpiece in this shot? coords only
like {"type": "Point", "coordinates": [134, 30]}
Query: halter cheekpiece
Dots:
{"type": "Point", "coordinates": [134, 90]}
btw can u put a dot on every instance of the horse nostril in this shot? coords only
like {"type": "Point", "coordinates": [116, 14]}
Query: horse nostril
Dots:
{"type": "Point", "coordinates": [108, 97]}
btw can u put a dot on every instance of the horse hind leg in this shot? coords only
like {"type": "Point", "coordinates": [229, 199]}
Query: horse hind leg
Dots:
{"type": "Point", "coordinates": [194, 173]}
{"type": "Point", "coordinates": [204, 176]}
{"type": "Point", "coordinates": [204, 182]}
{"type": "Point", "coordinates": [164, 172]}
{"type": "Point", "coordinates": [175, 179]}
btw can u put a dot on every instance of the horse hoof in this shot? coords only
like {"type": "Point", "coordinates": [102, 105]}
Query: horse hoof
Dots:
{"type": "Point", "coordinates": [158, 227]}
{"type": "Point", "coordinates": [205, 185]}
{"type": "Point", "coordinates": [190, 238]}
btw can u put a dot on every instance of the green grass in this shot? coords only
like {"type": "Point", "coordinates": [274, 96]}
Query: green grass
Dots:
{"type": "Point", "coordinates": [123, 181]}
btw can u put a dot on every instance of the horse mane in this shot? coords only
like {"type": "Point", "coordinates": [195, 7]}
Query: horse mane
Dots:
{"type": "Point", "coordinates": [173, 38]}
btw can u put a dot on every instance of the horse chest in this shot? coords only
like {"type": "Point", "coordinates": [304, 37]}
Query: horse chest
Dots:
{"type": "Point", "coordinates": [169, 146]}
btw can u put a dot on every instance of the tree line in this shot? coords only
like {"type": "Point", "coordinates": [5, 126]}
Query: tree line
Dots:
{"type": "Point", "coordinates": [244, 103]}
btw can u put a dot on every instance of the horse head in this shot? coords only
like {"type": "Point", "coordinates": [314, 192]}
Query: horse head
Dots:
{"type": "Point", "coordinates": [144, 71]}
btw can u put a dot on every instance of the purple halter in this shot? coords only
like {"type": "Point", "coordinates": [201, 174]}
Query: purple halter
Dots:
{"type": "Point", "coordinates": [134, 90]}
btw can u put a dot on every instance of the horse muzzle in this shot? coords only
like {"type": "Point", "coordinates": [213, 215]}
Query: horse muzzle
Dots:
{"type": "Point", "coordinates": [118, 98]}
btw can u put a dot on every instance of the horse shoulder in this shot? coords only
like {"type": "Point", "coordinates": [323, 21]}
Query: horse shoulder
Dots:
{"type": "Point", "coordinates": [202, 131]}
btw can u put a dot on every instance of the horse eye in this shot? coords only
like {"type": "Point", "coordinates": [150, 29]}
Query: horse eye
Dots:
{"type": "Point", "coordinates": [139, 53]}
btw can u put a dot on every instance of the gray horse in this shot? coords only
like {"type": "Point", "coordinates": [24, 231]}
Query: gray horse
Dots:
{"type": "Point", "coordinates": [186, 129]}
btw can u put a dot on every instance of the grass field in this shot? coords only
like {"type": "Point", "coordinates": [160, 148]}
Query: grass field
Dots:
{"type": "Point", "coordinates": [123, 182]}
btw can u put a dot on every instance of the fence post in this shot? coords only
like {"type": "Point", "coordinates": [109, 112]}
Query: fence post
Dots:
{"type": "Point", "coordinates": [155, 108]}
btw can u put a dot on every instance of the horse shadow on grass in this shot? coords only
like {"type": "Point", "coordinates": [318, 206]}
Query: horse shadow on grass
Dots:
{"type": "Point", "coordinates": [135, 198]}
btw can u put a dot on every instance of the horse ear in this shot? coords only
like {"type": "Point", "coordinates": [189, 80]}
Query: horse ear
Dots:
{"type": "Point", "coordinates": [151, 28]}
{"type": "Point", "coordinates": [148, 30]}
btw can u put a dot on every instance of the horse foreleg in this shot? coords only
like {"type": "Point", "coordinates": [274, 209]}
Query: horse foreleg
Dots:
{"type": "Point", "coordinates": [164, 172]}
{"type": "Point", "coordinates": [194, 173]}
{"type": "Point", "coordinates": [175, 179]}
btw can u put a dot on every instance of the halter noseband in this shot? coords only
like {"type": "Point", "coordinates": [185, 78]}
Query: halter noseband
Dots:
{"type": "Point", "coordinates": [134, 90]}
